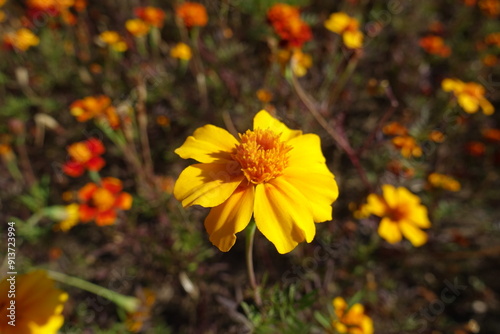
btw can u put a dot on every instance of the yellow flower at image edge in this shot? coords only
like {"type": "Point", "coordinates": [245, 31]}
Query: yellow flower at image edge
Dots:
{"type": "Point", "coordinates": [38, 305]}
{"type": "Point", "coordinates": [401, 213]}
{"type": "Point", "coordinates": [351, 320]}
{"type": "Point", "coordinates": [470, 95]}
{"type": "Point", "coordinates": [276, 174]}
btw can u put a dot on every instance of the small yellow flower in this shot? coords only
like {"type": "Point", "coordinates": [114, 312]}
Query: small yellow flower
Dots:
{"type": "Point", "coordinates": [181, 51]}
{"type": "Point", "coordinates": [342, 24]}
{"type": "Point", "coordinates": [301, 62]}
{"type": "Point", "coordinates": [38, 304]}
{"type": "Point", "coordinates": [470, 95]}
{"type": "Point", "coordinates": [352, 320]}
{"type": "Point", "coordinates": [137, 27]}
{"type": "Point", "coordinates": [443, 181]}
{"type": "Point", "coordinates": [437, 136]}
{"type": "Point", "coordinates": [22, 39]}
{"type": "Point", "coordinates": [401, 213]}
{"type": "Point", "coordinates": [113, 39]}
{"type": "Point", "coordinates": [71, 218]}
{"type": "Point", "coordinates": [276, 174]}
{"type": "Point", "coordinates": [408, 146]}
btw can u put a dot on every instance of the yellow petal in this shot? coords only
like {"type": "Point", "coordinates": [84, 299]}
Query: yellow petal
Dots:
{"type": "Point", "coordinates": [487, 107]}
{"type": "Point", "coordinates": [320, 189]}
{"type": "Point", "coordinates": [376, 205]}
{"type": "Point", "coordinates": [229, 218]}
{"type": "Point", "coordinates": [353, 39]}
{"type": "Point", "coordinates": [208, 144]}
{"type": "Point", "coordinates": [263, 120]}
{"type": "Point", "coordinates": [390, 195]}
{"type": "Point", "coordinates": [306, 150]}
{"type": "Point", "coordinates": [207, 185]}
{"type": "Point", "coordinates": [283, 215]}
{"type": "Point", "coordinates": [389, 230]}
{"type": "Point", "coordinates": [449, 85]}
{"type": "Point", "coordinates": [337, 22]}
{"type": "Point", "coordinates": [469, 103]}
{"type": "Point", "coordinates": [416, 236]}
{"type": "Point", "coordinates": [404, 195]}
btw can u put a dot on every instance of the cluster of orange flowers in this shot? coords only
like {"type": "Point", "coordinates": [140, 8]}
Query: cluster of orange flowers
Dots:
{"type": "Point", "coordinates": [402, 140]}
{"type": "Point", "coordinates": [288, 25]}
{"type": "Point", "coordinates": [470, 95]}
{"type": "Point", "coordinates": [41, 8]}
{"type": "Point", "coordinates": [350, 319]}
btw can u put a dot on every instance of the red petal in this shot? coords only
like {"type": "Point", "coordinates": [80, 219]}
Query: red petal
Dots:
{"type": "Point", "coordinates": [106, 218]}
{"type": "Point", "coordinates": [86, 213]}
{"type": "Point", "coordinates": [95, 146]}
{"type": "Point", "coordinates": [73, 168]}
{"type": "Point", "coordinates": [85, 193]}
{"type": "Point", "coordinates": [112, 184]}
{"type": "Point", "coordinates": [95, 163]}
{"type": "Point", "coordinates": [124, 201]}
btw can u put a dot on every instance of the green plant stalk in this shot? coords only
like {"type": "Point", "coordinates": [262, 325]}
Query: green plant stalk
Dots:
{"type": "Point", "coordinates": [201, 79]}
{"type": "Point", "coordinates": [346, 75]}
{"type": "Point", "coordinates": [129, 304]}
{"type": "Point", "coordinates": [250, 234]}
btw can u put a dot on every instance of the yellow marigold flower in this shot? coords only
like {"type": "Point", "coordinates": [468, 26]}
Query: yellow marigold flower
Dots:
{"type": "Point", "coordinates": [71, 218]}
{"type": "Point", "coordinates": [113, 39]}
{"type": "Point", "coordinates": [38, 304]}
{"type": "Point", "coordinates": [22, 39]}
{"type": "Point", "coordinates": [443, 181]}
{"type": "Point", "coordinates": [342, 24]}
{"type": "Point", "coordinates": [95, 106]}
{"type": "Point", "coordinates": [193, 14]}
{"type": "Point", "coordinates": [352, 320]}
{"type": "Point", "coordinates": [408, 146]}
{"type": "Point", "coordinates": [276, 174]}
{"type": "Point", "coordinates": [137, 27]}
{"type": "Point", "coordinates": [181, 51]}
{"type": "Point", "coordinates": [301, 62]}
{"type": "Point", "coordinates": [470, 95]}
{"type": "Point", "coordinates": [401, 213]}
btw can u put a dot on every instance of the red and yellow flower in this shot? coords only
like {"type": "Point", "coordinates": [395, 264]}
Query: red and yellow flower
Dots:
{"type": "Point", "coordinates": [137, 27]}
{"type": "Point", "coordinates": [346, 26]}
{"type": "Point", "coordinates": [22, 39]}
{"type": "Point", "coordinates": [272, 173]}
{"type": "Point", "coordinates": [84, 155]}
{"type": "Point", "coordinates": [351, 320]}
{"type": "Point", "coordinates": [470, 95]}
{"type": "Point", "coordinates": [101, 202]}
{"type": "Point", "coordinates": [95, 106]}
{"type": "Point", "coordinates": [39, 305]}
{"type": "Point", "coordinates": [287, 23]}
{"type": "Point", "coordinates": [401, 213]}
{"type": "Point", "coordinates": [193, 14]}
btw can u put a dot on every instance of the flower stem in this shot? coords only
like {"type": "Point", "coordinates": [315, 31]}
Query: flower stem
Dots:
{"type": "Point", "coordinates": [250, 233]}
{"type": "Point", "coordinates": [130, 304]}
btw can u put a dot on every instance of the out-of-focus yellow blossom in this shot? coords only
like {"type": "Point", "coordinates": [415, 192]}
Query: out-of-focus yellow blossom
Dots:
{"type": "Point", "coordinates": [71, 218]}
{"type": "Point", "coordinates": [181, 51]}
{"type": "Point", "coordinates": [135, 321]}
{"type": "Point", "coordinates": [470, 95]}
{"type": "Point", "coordinates": [342, 24]}
{"type": "Point", "coordinates": [408, 146]}
{"type": "Point", "coordinates": [300, 62]}
{"type": "Point", "coordinates": [113, 39]}
{"type": "Point", "coordinates": [351, 320]}
{"type": "Point", "coordinates": [137, 27]}
{"type": "Point", "coordinates": [22, 39]}
{"type": "Point", "coordinates": [39, 305]}
{"type": "Point", "coordinates": [359, 211]}
{"type": "Point", "coordinates": [401, 213]}
{"type": "Point", "coordinates": [437, 136]}
{"type": "Point", "coordinates": [443, 181]}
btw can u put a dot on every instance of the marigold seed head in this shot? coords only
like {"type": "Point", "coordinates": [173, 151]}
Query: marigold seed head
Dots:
{"type": "Point", "coordinates": [261, 155]}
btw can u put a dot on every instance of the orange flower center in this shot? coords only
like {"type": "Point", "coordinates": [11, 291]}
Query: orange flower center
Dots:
{"type": "Point", "coordinates": [261, 155]}
{"type": "Point", "coordinates": [80, 152]}
{"type": "Point", "coordinates": [398, 213]}
{"type": "Point", "coordinates": [103, 199]}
